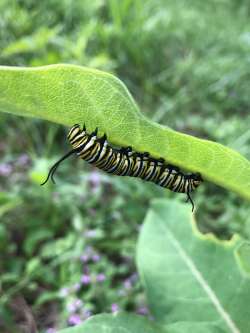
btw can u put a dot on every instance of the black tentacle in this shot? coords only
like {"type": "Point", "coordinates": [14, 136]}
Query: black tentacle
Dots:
{"type": "Point", "coordinates": [190, 199]}
{"type": "Point", "coordinates": [55, 166]}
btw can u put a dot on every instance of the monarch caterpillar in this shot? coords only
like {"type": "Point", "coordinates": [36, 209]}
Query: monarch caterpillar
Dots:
{"type": "Point", "coordinates": [126, 162]}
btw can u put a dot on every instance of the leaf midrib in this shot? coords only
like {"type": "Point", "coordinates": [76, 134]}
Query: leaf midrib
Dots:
{"type": "Point", "coordinates": [200, 279]}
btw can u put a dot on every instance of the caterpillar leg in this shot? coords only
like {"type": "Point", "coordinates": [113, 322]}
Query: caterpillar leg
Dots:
{"type": "Point", "coordinates": [126, 150]}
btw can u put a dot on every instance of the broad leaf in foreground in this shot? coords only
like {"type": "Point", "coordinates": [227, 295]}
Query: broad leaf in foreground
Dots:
{"type": "Point", "coordinates": [116, 323]}
{"type": "Point", "coordinates": [68, 94]}
{"type": "Point", "coordinates": [190, 278]}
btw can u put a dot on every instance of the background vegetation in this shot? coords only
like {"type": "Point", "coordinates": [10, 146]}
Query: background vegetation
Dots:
{"type": "Point", "coordinates": [71, 252]}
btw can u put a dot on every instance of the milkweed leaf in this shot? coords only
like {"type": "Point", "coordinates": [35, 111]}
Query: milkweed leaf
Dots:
{"type": "Point", "coordinates": [192, 279]}
{"type": "Point", "coordinates": [68, 94]}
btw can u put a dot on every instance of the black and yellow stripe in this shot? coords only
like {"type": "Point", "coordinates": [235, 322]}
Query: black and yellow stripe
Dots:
{"type": "Point", "coordinates": [126, 162]}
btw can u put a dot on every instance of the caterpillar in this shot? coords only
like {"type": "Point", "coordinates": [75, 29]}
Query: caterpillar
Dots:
{"type": "Point", "coordinates": [126, 162]}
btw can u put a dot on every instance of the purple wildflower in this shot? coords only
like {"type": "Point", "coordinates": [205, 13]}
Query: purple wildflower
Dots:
{"type": "Point", "coordinates": [74, 306]}
{"type": "Point", "coordinates": [95, 180]}
{"type": "Point", "coordinates": [23, 160]}
{"type": "Point", "coordinates": [76, 286]}
{"type": "Point", "coordinates": [86, 314]}
{"type": "Point", "coordinates": [5, 169]}
{"type": "Point", "coordinates": [51, 330]}
{"type": "Point", "coordinates": [114, 307]}
{"type": "Point", "coordinates": [84, 258]}
{"type": "Point", "coordinates": [143, 311]}
{"type": "Point", "coordinates": [100, 277]}
{"type": "Point", "coordinates": [74, 320]}
{"type": "Point", "coordinates": [78, 303]}
{"type": "Point", "coordinates": [127, 284]}
{"type": "Point", "coordinates": [85, 279]}
{"type": "Point", "coordinates": [64, 292]}
{"type": "Point", "coordinates": [71, 307]}
{"type": "Point", "coordinates": [96, 257]}
{"type": "Point", "coordinates": [134, 277]}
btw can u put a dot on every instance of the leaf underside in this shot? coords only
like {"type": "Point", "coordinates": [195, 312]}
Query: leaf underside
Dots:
{"type": "Point", "coordinates": [191, 279]}
{"type": "Point", "coordinates": [68, 94]}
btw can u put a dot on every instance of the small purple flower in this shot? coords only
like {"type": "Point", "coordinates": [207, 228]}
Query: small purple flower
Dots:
{"type": "Point", "coordinates": [100, 277]}
{"type": "Point", "coordinates": [50, 330]}
{"type": "Point", "coordinates": [134, 277]}
{"type": "Point", "coordinates": [78, 303]}
{"type": "Point", "coordinates": [143, 311]}
{"type": "Point", "coordinates": [5, 169]}
{"type": "Point", "coordinates": [114, 307]}
{"type": "Point", "coordinates": [74, 320]}
{"type": "Point", "coordinates": [76, 286]}
{"type": "Point", "coordinates": [96, 257]}
{"type": "Point", "coordinates": [84, 258]}
{"type": "Point", "coordinates": [127, 284]}
{"type": "Point", "coordinates": [71, 307]}
{"type": "Point", "coordinates": [74, 306]}
{"type": "Point", "coordinates": [86, 314]}
{"type": "Point", "coordinates": [23, 160]}
{"type": "Point", "coordinates": [85, 279]}
{"type": "Point", "coordinates": [64, 292]}
{"type": "Point", "coordinates": [95, 179]}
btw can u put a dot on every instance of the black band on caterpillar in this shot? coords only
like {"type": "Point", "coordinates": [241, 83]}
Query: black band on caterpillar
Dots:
{"type": "Point", "coordinates": [126, 162]}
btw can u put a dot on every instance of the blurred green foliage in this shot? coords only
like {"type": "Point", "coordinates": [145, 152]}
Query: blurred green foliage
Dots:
{"type": "Point", "coordinates": [187, 65]}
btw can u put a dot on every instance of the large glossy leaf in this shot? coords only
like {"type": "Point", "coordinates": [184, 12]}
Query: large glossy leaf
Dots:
{"type": "Point", "coordinates": [192, 280]}
{"type": "Point", "coordinates": [69, 94]}
{"type": "Point", "coordinates": [116, 323]}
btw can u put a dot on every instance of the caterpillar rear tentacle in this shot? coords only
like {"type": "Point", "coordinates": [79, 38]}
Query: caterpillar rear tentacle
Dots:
{"type": "Point", "coordinates": [55, 166]}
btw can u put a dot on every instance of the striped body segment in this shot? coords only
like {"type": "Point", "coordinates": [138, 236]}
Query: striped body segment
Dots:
{"type": "Point", "coordinates": [125, 162]}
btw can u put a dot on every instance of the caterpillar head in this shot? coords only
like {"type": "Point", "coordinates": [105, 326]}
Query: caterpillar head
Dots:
{"type": "Point", "coordinates": [197, 179]}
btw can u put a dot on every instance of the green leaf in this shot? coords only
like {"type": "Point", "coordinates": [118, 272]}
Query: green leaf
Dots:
{"type": "Point", "coordinates": [8, 203]}
{"type": "Point", "coordinates": [68, 94]}
{"type": "Point", "coordinates": [33, 265]}
{"type": "Point", "coordinates": [191, 279]}
{"type": "Point", "coordinates": [116, 323]}
{"type": "Point", "coordinates": [33, 43]}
